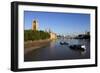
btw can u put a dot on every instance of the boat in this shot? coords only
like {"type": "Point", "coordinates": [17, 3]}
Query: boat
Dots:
{"type": "Point", "coordinates": [63, 43]}
{"type": "Point", "coordinates": [78, 47]}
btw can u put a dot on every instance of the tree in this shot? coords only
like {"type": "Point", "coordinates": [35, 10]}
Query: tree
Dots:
{"type": "Point", "coordinates": [35, 35]}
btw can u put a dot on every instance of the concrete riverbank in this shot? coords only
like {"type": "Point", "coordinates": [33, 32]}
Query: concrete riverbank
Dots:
{"type": "Point", "coordinates": [32, 45]}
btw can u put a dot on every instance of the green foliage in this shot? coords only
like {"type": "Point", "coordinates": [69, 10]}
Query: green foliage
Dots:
{"type": "Point", "coordinates": [35, 35]}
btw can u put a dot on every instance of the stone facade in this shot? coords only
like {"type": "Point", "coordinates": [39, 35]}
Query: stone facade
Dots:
{"type": "Point", "coordinates": [53, 35]}
{"type": "Point", "coordinates": [35, 25]}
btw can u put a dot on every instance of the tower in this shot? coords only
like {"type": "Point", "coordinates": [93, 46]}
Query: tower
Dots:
{"type": "Point", "coordinates": [35, 25]}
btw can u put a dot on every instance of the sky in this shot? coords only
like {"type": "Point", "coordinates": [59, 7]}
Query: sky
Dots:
{"type": "Point", "coordinates": [60, 23]}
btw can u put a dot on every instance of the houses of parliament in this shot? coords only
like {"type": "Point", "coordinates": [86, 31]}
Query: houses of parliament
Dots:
{"type": "Point", "coordinates": [35, 26]}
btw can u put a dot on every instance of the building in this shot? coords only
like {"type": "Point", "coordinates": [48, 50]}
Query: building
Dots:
{"type": "Point", "coordinates": [35, 28]}
{"type": "Point", "coordinates": [35, 25]}
{"type": "Point", "coordinates": [53, 35]}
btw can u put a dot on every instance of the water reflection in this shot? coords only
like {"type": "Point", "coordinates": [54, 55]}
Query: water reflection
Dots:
{"type": "Point", "coordinates": [81, 52]}
{"type": "Point", "coordinates": [55, 51]}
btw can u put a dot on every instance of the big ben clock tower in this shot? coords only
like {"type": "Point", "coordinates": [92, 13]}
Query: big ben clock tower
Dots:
{"type": "Point", "coordinates": [35, 25]}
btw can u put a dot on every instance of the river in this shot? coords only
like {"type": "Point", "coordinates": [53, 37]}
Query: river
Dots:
{"type": "Point", "coordinates": [56, 51]}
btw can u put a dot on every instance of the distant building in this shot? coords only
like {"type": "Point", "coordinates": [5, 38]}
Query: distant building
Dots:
{"type": "Point", "coordinates": [53, 35]}
{"type": "Point", "coordinates": [35, 25]}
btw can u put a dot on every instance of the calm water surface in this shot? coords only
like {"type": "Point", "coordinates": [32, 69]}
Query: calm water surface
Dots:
{"type": "Point", "coordinates": [55, 51]}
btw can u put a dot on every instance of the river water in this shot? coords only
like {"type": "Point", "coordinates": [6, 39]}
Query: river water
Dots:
{"type": "Point", "coordinates": [56, 51]}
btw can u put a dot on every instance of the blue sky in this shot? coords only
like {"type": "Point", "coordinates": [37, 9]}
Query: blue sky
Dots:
{"type": "Point", "coordinates": [60, 23]}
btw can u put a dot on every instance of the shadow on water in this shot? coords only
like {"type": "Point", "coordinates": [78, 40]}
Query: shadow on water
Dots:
{"type": "Point", "coordinates": [55, 51]}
